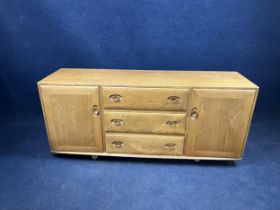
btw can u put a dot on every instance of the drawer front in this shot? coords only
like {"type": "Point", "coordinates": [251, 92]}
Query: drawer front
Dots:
{"type": "Point", "coordinates": [145, 122]}
{"type": "Point", "coordinates": [145, 98]}
{"type": "Point", "coordinates": [144, 144]}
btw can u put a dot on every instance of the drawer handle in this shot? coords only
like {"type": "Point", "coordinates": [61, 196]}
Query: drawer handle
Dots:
{"type": "Point", "coordinates": [117, 122]}
{"type": "Point", "coordinates": [170, 146]}
{"type": "Point", "coordinates": [115, 98]}
{"type": "Point", "coordinates": [117, 144]}
{"type": "Point", "coordinates": [194, 114]}
{"type": "Point", "coordinates": [95, 111]}
{"type": "Point", "coordinates": [172, 124]}
{"type": "Point", "coordinates": [174, 99]}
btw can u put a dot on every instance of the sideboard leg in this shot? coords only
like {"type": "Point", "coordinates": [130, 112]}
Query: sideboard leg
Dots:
{"type": "Point", "coordinates": [197, 160]}
{"type": "Point", "coordinates": [55, 154]}
{"type": "Point", "coordinates": [94, 157]}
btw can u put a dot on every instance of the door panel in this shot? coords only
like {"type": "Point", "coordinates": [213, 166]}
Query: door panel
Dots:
{"type": "Point", "coordinates": [70, 118]}
{"type": "Point", "coordinates": [218, 122]}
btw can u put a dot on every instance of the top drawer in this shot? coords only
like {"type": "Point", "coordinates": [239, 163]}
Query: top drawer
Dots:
{"type": "Point", "coordinates": [145, 98]}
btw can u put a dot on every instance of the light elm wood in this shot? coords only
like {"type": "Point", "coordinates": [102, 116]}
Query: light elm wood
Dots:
{"type": "Point", "coordinates": [250, 121]}
{"type": "Point", "coordinates": [218, 122]}
{"type": "Point", "coordinates": [145, 122]}
{"type": "Point", "coordinates": [140, 113]}
{"type": "Point", "coordinates": [70, 117]}
{"type": "Point", "coordinates": [145, 98]}
{"type": "Point", "coordinates": [144, 144]}
{"type": "Point", "coordinates": [148, 78]}
{"type": "Point", "coordinates": [145, 156]}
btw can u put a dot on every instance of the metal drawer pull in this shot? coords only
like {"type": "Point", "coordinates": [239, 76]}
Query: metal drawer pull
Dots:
{"type": "Point", "coordinates": [174, 99]}
{"type": "Point", "coordinates": [95, 111]}
{"type": "Point", "coordinates": [194, 114]}
{"type": "Point", "coordinates": [115, 98]}
{"type": "Point", "coordinates": [170, 146]}
{"type": "Point", "coordinates": [117, 144]}
{"type": "Point", "coordinates": [117, 122]}
{"type": "Point", "coordinates": [172, 124]}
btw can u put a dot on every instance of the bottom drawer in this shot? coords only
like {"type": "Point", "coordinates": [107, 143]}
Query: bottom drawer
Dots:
{"type": "Point", "coordinates": [144, 144]}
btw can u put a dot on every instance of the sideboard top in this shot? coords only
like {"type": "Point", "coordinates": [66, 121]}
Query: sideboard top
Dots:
{"type": "Point", "coordinates": [147, 78]}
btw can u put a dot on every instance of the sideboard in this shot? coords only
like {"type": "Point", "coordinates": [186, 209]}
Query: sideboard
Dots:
{"type": "Point", "coordinates": [148, 113]}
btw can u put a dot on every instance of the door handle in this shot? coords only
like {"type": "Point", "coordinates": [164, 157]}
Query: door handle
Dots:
{"type": "Point", "coordinates": [194, 113]}
{"type": "Point", "coordinates": [95, 111]}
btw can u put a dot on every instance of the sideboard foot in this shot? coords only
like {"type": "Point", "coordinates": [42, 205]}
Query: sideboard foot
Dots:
{"type": "Point", "coordinates": [94, 157]}
{"type": "Point", "coordinates": [197, 160]}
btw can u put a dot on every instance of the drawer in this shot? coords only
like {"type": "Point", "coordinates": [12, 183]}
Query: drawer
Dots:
{"type": "Point", "coordinates": [145, 122]}
{"type": "Point", "coordinates": [145, 98]}
{"type": "Point", "coordinates": [144, 144]}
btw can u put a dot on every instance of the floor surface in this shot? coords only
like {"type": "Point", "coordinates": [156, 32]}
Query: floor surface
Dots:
{"type": "Point", "coordinates": [32, 178]}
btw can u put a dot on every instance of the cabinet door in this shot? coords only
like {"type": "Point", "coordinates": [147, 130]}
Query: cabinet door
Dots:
{"type": "Point", "coordinates": [72, 117]}
{"type": "Point", "coordinates": [218, 122]}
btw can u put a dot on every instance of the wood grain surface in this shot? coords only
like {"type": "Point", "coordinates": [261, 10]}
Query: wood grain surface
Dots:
{"type": "Point", "coordinates": [221, 125]}
{"type": "Point", "coordinates": [144, 144]}
{"type": "Point", "coordinates": [69, 119]}
{"type": "Point", "coordinates": [145, 122]}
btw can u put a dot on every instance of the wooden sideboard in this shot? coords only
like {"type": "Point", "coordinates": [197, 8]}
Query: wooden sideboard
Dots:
{"type": "Point", "coordinates": [148, 113]}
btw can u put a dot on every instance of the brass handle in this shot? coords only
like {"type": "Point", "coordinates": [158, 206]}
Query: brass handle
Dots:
{"type": "Point", "coordinates": [194, 114]}
{"type": "Point", "coordinates": [170, 146]}
{"type": "Point", "coordinates": [174, 99]}
{"type": "Point", "coordinates": [117, 122]}
{"type": "Point", "coordinates": [117, 144]}
{"type": "Point", "coordinates": [115, 98]}
{"type": "Point", "coordinates": [95, 111]}
{"type": "Point", "coordinates": [172, 124]}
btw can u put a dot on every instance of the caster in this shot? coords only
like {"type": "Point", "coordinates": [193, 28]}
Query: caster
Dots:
{"type": "Point", "coordinates": [55, 154]}
{"type": "Point", "coordinates": [94, 157]}
{"type": "Point", "coordinates": [196, 160]}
